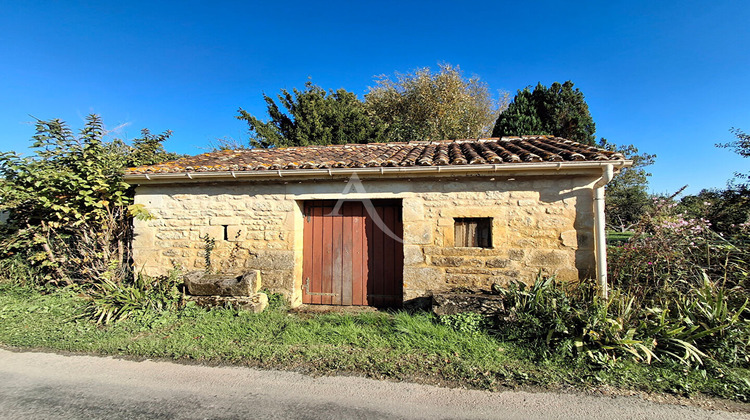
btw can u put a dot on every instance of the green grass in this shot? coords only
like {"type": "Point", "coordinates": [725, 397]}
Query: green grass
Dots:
{"type": "Point", "coordinates": [398, 345]}
{"type": "Point", "coordinates": [618, 238]}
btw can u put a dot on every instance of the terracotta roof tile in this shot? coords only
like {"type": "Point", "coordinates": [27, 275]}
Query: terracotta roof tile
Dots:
{"type": "Point", "coordinates": [416, 153]}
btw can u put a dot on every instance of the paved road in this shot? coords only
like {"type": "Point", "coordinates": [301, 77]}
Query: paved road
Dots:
{"type": "Point", "coordinates": [52, 386]}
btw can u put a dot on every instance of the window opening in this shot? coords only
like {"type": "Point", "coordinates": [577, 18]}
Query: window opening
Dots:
{"type": "Point", "coordinates": [473, 232]}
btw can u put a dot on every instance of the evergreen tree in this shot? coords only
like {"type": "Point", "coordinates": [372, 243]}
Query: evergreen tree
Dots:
{"type": "Point", "coordinates": [558, 110]}
{"type": "Point", "coordinates": [313, 116]}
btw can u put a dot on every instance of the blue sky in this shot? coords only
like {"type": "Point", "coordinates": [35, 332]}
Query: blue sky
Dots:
{"type": "Point", "coordinates": [671, 77]}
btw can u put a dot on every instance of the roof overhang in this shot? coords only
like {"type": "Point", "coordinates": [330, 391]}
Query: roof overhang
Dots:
{"type": "Point", "coordinates": [509, 169]}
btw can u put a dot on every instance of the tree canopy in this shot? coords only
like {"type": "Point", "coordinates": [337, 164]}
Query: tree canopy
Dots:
{"type": "Point", "coordinates": [627, 194]}
{"type": "Point", "coordinates": [558, 110]}
{"type": "Point", "coordinates": [147, 149]}
{"type": "Point", "coordinates": [741, 146]}
{"type": "Point", "coordinates": [313, 116]}
{"type": "Point", "coordinates": [68, 207]}
{"type": "Point", "coordinates": [426, 105]}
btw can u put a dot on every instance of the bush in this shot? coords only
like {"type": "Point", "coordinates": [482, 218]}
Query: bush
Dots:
{"type": "Point", "coordinates": [467, 322]}
{"type": "Point", "coordinates": [670, 250]}
{"type": "Point", "coordinates": [697, 324]}
{"type": "Point", "coordinates": [111, 301]}
{"type": "Point", "coordinates": [18, 271]}
{"type": "Point", "coordinates": [69, 211]}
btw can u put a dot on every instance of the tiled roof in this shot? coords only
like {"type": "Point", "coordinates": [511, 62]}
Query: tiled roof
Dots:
{"type": "Point", "coordinates": [415, 153]}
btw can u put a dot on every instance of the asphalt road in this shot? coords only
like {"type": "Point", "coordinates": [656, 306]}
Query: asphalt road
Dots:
{"type": "Point", "coordinates": [53, 386]}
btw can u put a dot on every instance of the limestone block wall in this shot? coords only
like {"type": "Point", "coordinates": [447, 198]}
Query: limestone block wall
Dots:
{"type": "Point", "coordinates": [539, 223]}
{"type": "Point", "coordinates": [251, 225]}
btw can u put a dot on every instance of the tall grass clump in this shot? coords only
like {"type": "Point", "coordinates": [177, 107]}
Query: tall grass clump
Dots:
{"type": "Point", "coordinates": [111, 301]}
{"type": "Point", "coordinates": [18, 271]}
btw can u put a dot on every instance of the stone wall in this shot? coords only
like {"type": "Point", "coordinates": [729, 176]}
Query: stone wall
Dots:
{"type": "Point", "coordinates": [539, 223]}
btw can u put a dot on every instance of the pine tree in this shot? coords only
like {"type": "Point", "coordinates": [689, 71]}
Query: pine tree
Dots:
{"type": "Point", "coordinates": [558, 110]}
{"type": "Point", "coordinates": [313, 117]}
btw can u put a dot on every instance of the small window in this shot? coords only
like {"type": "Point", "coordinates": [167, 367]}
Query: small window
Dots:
{"type": "Point", "coordinates": [473, 232]}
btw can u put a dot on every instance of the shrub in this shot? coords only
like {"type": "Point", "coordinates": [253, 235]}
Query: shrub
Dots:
{"type": "Point", "coordinates": [698, 323]}
{"type": "Point", "coordinates": [690, 283]}
{"type": "Point", "coordinates": [466, 322]}
{"type": "Point", "coordinates": [111, 301]}
{"type": "Point", "coordinates": [669, 250]}
{"type": "Point", "coordinates": [69, 210]}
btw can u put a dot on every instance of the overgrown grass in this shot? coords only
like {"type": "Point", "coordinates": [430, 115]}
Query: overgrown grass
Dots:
{"type": "Point", "coordinates": [398, 345]}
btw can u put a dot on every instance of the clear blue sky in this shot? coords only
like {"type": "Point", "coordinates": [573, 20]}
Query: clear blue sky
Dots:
{"type": "Point", "coordinates": [671, 77]}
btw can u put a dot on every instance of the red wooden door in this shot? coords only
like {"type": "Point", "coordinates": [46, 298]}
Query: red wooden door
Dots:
{"type": "Point", "coordinates": [348, 259]}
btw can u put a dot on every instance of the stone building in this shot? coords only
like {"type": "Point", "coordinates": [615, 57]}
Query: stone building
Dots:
{"type": "Point", "coordinates": [380, 224]}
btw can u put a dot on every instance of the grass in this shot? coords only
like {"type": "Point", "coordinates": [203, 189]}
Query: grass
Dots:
{"type": "Point", "coordinates": [397, 345]}
{"type": "Point", "coordinates": [618, 238]}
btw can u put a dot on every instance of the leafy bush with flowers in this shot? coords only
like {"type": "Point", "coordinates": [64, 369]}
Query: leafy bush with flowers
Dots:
{"type": "Point", "coordinates": [670, 247]}
{"type": "Point", "coordinates": [690, 284]}
{"type": "Point", "coordinates": [678, 295]}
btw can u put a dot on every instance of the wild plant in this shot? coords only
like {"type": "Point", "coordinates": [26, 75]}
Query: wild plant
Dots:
{"type": "Point", "coordinates": [110, 301]}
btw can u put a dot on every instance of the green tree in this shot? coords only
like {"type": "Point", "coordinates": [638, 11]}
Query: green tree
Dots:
{"type": "Point", "coordinates": [312, 117]}
{"type": "Point", "coordinates": [627, 194]}
{"type": "Point", "coordinates": [147, 149]}
{"type": "Point", "coordinates": [558, 110]}
{"type": "Point", "coordinates": [726, 209]}
{"type": "Point", "coordinates": [422, 105]}
{"type": "Point", "coordinates": [741, 146]}
{"type": "Point", "coordinates": [69, 210]}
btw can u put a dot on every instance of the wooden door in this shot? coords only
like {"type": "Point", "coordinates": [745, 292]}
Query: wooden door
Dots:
{"type": "Point", "coordinates": [348, 259]}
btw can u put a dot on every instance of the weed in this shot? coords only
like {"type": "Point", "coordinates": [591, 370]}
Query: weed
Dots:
{"type": "Point", "coordinates": [110, 301]}
{"type": "Point", "coordinates": [397, 345]}
{"type": "Point", "coordinates": [209, 244]}
{"type": "Point", "coordinates": [276, 301]}
{"type": "Point", "coordinates": [467, 322]}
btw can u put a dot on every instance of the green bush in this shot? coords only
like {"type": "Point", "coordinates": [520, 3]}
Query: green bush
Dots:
{"type": "Point", "coordinates": [111, 301]}
{"type": "Point", "coordinates": [18, 271]}
{"type": "Point", "coordinates": [467, 322]}
{"type": "Point", "coordinates": [69, 211]}
{"type": "Point", "coordinates": [701, 322]}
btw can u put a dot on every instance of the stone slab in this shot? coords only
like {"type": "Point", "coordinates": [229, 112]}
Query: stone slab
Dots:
{"type": "Point", "coordinates": [256, 303]}
{"type": "Point", "coordinates": [454, 303]}
{"type": "Point", "coordinates": [199, 283]}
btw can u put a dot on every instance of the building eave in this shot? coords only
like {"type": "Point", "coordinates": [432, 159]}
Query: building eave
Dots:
{"type": "Point", "coordinates": [527, 168]}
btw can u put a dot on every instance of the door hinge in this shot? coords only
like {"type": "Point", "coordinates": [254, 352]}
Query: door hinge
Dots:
{"type": "Point", "coordinates": [307, 290]}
